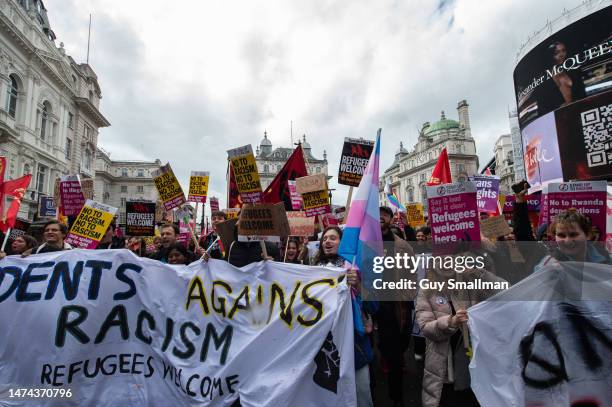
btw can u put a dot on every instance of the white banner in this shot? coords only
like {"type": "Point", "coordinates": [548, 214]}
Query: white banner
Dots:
{"type": "Point", "coordinates": [115, 329]}
{"type": "Point", "coordinates": [547, 341]}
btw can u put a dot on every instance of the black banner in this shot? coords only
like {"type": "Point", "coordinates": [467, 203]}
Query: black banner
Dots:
{"type": "Point", "coordinates": [140, 218]}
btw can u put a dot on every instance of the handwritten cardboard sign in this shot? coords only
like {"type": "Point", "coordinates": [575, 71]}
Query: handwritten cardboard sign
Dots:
{"type": "Point", "coordinates": [300, 224]}
{"type": "Point", "coordinates": [263, 222]}
{"type": "Point", "coordinates": [311, 183]}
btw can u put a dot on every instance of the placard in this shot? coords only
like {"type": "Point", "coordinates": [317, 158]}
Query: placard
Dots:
{"type": "Point", "coordinates": [415, 215]}
{"type": "Point", "coordinates": [246, 174]}
{"type": "Point", "coordinates": [300, 224]}
{"type": "Point", "coordinates": [140, 218]}
{"type": "Point", "coordinates": [311, 183]}
{"type": "Point", "coordinates": [354, 160]}
{"type": "Point", "coordinates": [316, 203]}
{"type": "Point", "coordinates": [46, 207]}
{"type": "Point", "coordinates": [232, 213]}
{"type": "Point", "coordinates": [168, 187]}
{"type": "Point", "coordinates": [87, 186]}
{"type": "Point", "coordinates": [91, 224]}
{"type": "Point", "coordinates": [296, 198]}
{"type": "Point", "coordinates": [263, 222]}
{"type": "Point", "coordinates": [214, 204]}
{"type": "Point", "coordinates": [494, 227]}
{"type": "Point", "coordinates": [71, 195]}
{"type": "Point", "coordinates": [453, 213]}
{"type": "Point", "coordinates": [198, 186]}
{"type": "Point", "coordinates": [487, 192]}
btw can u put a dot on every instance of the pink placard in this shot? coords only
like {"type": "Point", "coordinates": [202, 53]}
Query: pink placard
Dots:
{"type": "Point", "coordinates": [71, 197]}
{"type": "Point", "coordinates": [453, 213]}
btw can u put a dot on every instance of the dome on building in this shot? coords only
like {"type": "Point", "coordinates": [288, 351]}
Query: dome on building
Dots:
{"type": "Point", "coordinates": [265, 141]}
{"type": "Point", "coordinates": [442, 124]}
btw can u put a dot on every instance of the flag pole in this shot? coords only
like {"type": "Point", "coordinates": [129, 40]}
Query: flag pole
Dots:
{"type": "Point", "coordinates": [348, 203]}
{"type": "Point", "coordinates": [6, 237]}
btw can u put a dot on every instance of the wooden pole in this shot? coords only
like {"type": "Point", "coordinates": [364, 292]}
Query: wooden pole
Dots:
{"type": "Point", "coordinates": [264, 250]}
{"type": "Point", "coordinates": [6, 236]}
{"type": "Point", "coordinates": [286, 246]}
{"type": "Point", "coordinates": [348, 204]}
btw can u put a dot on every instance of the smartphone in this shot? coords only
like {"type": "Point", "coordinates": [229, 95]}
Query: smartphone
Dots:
{"type": "Point", "coordinates": [519, 186]}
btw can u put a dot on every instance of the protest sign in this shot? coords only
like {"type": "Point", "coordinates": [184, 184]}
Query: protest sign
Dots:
{"type": "Point", "coordinates": [91, 224]}
{"type": "Point", "coordinates": [533, 203]}
{"type": "Point", "coordinates": [46, 207]}
{"type": "Point", "coordinates": [245, 170]}
{"type": "Point", "coordinates": [139, 332]}
{"type": "Point", "coordinates": [20, 228]}
{"type": "Point", "coordinates": [311, 183]}
{"type": "Point", "coordinates": [232, 213]}
{"type": "Point", "coordinates": [329, 219]}
{"type": "Point", "coordinates": [225, 230]}
{"type": "Point", "coordinates": [87, 186]}
{"type": "Point", "coordinates": [198, 186]}
{"type": "Point", "coordinates": [296, 199]}
{"type": "Point", "coordinates": [414, 214]}
{"type": "Point", "coordinates": [183, 217]}
{"type": "Point", "coordinates": [494, 227]}
{"type": "Point", "coordinates": [609, 221]}
{"type": "Point", "coordinates": [168, 187]}
{"type": "Point", "coordinates": [214, 204]}
{"type": "Point", "coordinates": [453, 212]}
{"type": "Point", "coordinates": [545, 341]}
{"type": "Point", "coordinates": [316, 203]}
{"type": "Point", "coordinates": [263, 222]}
{"type": "Point", "coordinates": [487, 192]}
{"type": "Point", "coordinates": [587, 197]}
{"type": "Point", "coordinates": [71, 195]}
{"type": "Point", "coordinates": [354, 160]}
{"type": "Point", "coordinates": [300, 224]}
{"type": "Point", "coordinates": [140, 218]}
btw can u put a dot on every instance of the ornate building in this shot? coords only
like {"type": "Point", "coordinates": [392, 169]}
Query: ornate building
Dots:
{"type": "Point", "coordinates": [49, 117]}
{"type": "Point", "coordinates": [270, 162]}
{"type": "Point", "coordinates": [410, 171]}
{"type": "Point", "coordinates": [504, 162]}
{"type": "Point", "coordinates": [517, 146]}
{"type": "Point", "coordinates": [119, 181]}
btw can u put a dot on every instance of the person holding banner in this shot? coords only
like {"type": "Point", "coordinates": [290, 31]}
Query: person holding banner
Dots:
{"type": "Point", "coordinates": [20, 245]}
{"type": "Point", "coordinates": [169, 233]}
{"type": "Point", "coordinates": [293, 253]}
{"type": "Point", "coordinates": [178, 254]}
{"type": "Point", "coordinates": [571, 230]}
{"type": "Point", "coordinates": [328, 257]}
{"type": "Point", "coordinates": [54, 234]}
{"type": "Point", "coordinates": [214, 251]}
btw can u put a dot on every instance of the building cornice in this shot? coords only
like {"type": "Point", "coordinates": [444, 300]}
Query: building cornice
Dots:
{"type": "Point", "coordinates": [92, 111]}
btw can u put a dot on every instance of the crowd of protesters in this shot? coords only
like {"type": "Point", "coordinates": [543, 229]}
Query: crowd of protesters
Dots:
{"type": "Point", "coordinates": [385, 328]}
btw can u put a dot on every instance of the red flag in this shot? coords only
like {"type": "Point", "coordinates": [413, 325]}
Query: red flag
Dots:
{"type": "Point", "coordinates": [441, 173]}
{"type": "Point", "coordinates": [17, 189]}
{"type": "Point", "coordinates": [278, 190]}
{"type": "Point", "coordinates": [233, 195]}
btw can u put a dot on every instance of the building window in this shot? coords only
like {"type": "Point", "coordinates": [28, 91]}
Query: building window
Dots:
{"type": "Point", "coordinates": [460, 168]}
{"type": "Point", "coordinates": [11, 97]}
{"type": "Point", "coordinates": [318, 170]}
{"type": "Point", "coordinates": [140, 172]}
{"type": "Point", "coordinates": [43, 121]}
{"type": "Point", "coordinates": [140, 188]}
{"type": "Point", "coordinates": [88, 159]}
{"type": "Point", "coordinates": [70, 120]}
{"type": "Point", "coordinates": [266, 168]}
{"type": "Point", "coordinates": [124, 189]}
{"type": "Point", "coordinates": [68, 148]}
{"type": "Point", "coordinates": [124, 172]}
{"type": "Point", "coordinates": [87, 132]}
{"type": "Point", "coordinates": [40, 178]}
{"type": "Point", "coordinates": [26, 169]}
{"type": "Point", "coordinates": [422, 177]}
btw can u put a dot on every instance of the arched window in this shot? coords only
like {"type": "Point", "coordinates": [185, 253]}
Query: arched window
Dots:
{"type": "Point", "coordinates": [46, 110]}
{"type": "Point", "coordinates": [26, 169]}
{"type": "Point", "coordinates": [11, 97]}
{"type": "Point", "coordinates": [266, 168]}
{"type": "Point", "coordinates": [88, 159]}
{"type": "Point", "coordinates": [410, 193]}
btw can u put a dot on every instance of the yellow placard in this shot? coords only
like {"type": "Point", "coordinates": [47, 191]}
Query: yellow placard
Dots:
{"type": "Point", "coordinates": [232, 213]}
{"type": "Point", "coordinates": [414, 214]}
{"type": "Point", "coordinates": [169, 188]}
{"type": "Point", "coordinates": [198, 188]}
{"type": "Point", "coordinates": [91, 223]}
{"type": "Point", "coordinates": [245, 171]}
{"type": "Point", "coordinates": [315, 199]}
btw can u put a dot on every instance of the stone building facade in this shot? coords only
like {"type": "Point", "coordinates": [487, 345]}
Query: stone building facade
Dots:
{"type": "Point", "coordinates": [410, 170]}
{"type": "Point", "coordinates": [270, 161]}
{"type": "Point", "coordinates": [504, 162]}
{"type": "Point", "coordinates": [119, 181]}
{"type": "Point", "coordinates": [49, 104]}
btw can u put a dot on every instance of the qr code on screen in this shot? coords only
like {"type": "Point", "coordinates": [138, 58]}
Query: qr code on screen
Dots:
{"type": "Point", "coordinates": [597, 131]}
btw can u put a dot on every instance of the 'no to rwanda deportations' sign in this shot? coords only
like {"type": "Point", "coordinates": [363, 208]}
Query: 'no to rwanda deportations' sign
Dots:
{"type": "Point", "coordinates": [117, 329]}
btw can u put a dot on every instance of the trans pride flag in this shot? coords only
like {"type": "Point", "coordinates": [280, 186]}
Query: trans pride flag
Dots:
{"type": "Point", "coordinates": [393, 199]}
{"type": "Point", "coordinates": [362, 238]}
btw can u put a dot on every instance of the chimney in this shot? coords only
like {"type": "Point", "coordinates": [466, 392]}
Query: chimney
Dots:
{"type": "Point", "coordinates": [464, 117]}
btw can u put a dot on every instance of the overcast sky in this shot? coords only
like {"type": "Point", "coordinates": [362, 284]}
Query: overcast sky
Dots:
{"type": "Point", "coordinates": [185, 81]}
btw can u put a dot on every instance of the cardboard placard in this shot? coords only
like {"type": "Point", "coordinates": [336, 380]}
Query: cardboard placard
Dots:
{"type": "Point", "coordinates": [225, 230]}
{"type": "Point", "coordinates": [91, 224]}
{"type": "Point", "coordinates": [87, 186]}
{"type": "Point", "coordinates": [71, 195]}
{"type": "Point", "coordinates": [245, 170]}
{"type": "Point", "coordinates": [300, 224]}
{"type": "Point", "coordinates": [354, 160]}
{"type": "Point", "coordinates": [198, 186]}
{"type": "Point", "coordinates": [311, 183]}
{"type": "Point", "coordinates": [140, 218]}
{"type": "Point", "coordinates": [316, 203]}
{"type": "Point", "coordinates": [415, 215]}
{"type": "Point", "coordinates": [169, 188]}
{"type": "Point", "coordinates": [263, 222]}
{"type": "Point", "coordinates": [494, 227]}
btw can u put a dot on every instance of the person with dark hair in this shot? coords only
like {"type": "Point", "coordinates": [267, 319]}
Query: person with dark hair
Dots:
{"type": "Point", "coordinates": [54, 233]}
{"type": "Point", "coordinates": [108, 240]}
{"type": "Point", "coordinates": [328, 257]}
{"type": "Point", "coordinates": [410, 233]}
{"type": "Point", "coordinates": [169, 234]}
{"type": "Point", "coordinates": [216, 218]}
{"type": "Point", "coordinates": [178, 254]}
{"type": "Point", "coordinates": [292, 252]}
{"type": "Point", "coordinates": [21, 244]}
{"type": "Point", "coordinates": [240, 254]}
